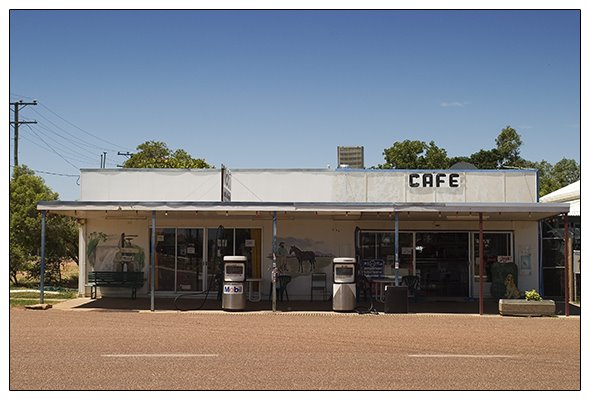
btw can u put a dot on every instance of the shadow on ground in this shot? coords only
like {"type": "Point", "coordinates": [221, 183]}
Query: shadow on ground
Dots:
{"type": "Point", "coordinates": [192, 303]}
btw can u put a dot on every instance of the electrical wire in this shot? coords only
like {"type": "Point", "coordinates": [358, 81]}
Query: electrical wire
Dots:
{"type": "Point", "coordinates": [246, 187]}
{"type": "Point", "coordinates": [118, 147]}
{"type": "Point", "coordinates": [52, 173]}
{"type": "Point", "coordinates": [55, 151]}
{"type": "Point", "coordinates": [79, 141]}
{"type": "Point", "coordinates": [68, 154]}
{"type": "Point", "coordinates": [75, 151]}
{"type": "Point", "coordinates": [82, 130]}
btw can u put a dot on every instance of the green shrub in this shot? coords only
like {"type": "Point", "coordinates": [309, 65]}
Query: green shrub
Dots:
{"type": "Point", "coordinates": [532, 295]}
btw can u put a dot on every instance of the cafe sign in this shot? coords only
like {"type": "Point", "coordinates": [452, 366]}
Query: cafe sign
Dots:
{"type": "Point", "coordinates": [434, 180]}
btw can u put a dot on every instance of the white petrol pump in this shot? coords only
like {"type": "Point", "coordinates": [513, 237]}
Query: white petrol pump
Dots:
{"type": "Point", "coordinates": [344, 287]}
{"type": "Point", "coordinates": [234, 276]}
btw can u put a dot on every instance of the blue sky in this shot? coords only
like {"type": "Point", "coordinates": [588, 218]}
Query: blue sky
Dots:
{"type": "Point", "coordinates": [283, 89]}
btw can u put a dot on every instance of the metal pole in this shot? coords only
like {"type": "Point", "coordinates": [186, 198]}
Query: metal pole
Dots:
{"type": "Point", "coordinates": [274, 275]}
{"type": "Point", "coordinates": [222, 178]}
{"type": "Point", "coordinates": [42, 276]}
{"type": "Point", "coordinates": [16, 123]}
{"type": "Point", "coordinates": [396, 243]}
{"type": "Point", "coordinates": [481, 260]}
{"type": "Point", "coordinates": [153, 266]}
{"type": "Point", "coordinates": [566, 254]}
{"type": "Point", "coordinates": [16, 138]}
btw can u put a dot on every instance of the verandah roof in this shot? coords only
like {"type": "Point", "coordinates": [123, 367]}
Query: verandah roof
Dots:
{"type": "Point", "coordinates": [410, 211]}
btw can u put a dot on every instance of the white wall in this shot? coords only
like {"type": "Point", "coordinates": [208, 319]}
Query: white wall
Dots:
{"type": "Point", "coordinates": [303, 186]}
{"type": "Point", "coordinates": [150, 185]}
{"type": "Point", "coordinates": [327, 237]}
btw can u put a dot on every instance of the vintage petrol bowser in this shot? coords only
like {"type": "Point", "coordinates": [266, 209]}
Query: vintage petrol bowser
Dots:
{"type": "Point", "coordinates": [344, 287]}
{"type": "Point", "coordinates": [234, 276]}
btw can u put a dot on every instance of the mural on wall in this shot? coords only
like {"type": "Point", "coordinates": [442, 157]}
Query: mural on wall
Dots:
{"type": "Point", "coordinates": [114, 253]}
{"type": "Point", "coordinates": [301, 256]}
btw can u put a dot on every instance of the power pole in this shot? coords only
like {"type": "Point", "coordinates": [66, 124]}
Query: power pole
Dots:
{"type": "Point", "coordinates": [126, 154]}
{"type": "Point", "coordinates": [17, 122]}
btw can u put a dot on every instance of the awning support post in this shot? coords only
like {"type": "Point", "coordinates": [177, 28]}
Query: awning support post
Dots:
{"type": "Point", "coordinates": [396, 243]}
{"type": "Point", "coordinates": [566, 254]}
{"type": "Point", "coordinates": [42, 276]}
{"type": "Point", "coordinates": [153, 266]}
{"type": "Point", "coordinates": [274, 272]}
{"type": "Point", "coordinates": [481, 260]}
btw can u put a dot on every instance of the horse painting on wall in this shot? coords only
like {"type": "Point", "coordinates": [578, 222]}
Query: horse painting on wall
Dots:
{"type": "Point", "coordinates": [303, 256]}
{"type": "Point", "coordinates": [296, 256]}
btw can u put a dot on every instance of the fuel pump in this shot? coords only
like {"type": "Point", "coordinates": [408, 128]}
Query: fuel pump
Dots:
{"type": "Point", "coordinates": [234, 276]}
{"type": "Point", "coordinates": [344, 287]}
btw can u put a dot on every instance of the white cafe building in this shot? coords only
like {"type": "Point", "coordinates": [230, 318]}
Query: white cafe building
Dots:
{"type": "Point", "coordinates": [430, 220]}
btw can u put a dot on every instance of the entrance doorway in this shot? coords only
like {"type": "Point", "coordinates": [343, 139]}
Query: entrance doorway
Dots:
{"type": "Point", "coordinates": [442, 262]}
{"type": "Point", "coordinates": [179, 259]}
{"type": "Point", "coordinates": [497, 245]}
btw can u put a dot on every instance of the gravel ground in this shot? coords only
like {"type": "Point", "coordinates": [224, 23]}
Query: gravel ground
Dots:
{"type": "Point", "coordinates": [99, 350]}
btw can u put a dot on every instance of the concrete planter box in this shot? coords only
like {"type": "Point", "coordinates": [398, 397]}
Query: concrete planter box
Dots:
{"type": "Point", "coordinates": [526, 308]}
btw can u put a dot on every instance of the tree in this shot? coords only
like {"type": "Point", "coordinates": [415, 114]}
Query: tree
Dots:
{"type": "Point", "coordinates": [486, 159]}
{"type": "Point", "coordinates": [414, 154]}
{"type": "Point", "coordinates": [26, 190]}
{"type": "Point", "coordinates": [508, 145]}
{"type": "Point", "coordinates": [153, 154]}
{"type": "Point", "coordinates": [554, 177]}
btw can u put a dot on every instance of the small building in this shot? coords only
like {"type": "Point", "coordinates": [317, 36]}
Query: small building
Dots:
{"type": "Point", "coordinates": [421, 223]}
{"type": "Point", "coordinates": [351, 157]}
{"type": "Point", "coordinates": [553, 248]}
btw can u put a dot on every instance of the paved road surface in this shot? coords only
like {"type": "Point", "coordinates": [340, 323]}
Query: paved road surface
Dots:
{"type": "Point", "coordinates": [90, 350]}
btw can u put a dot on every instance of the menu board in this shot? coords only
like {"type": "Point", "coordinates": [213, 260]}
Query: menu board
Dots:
{"type": "Point", "coordinates": [373, 268]}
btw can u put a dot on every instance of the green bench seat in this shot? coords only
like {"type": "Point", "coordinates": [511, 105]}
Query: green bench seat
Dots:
{"type": "Point", "coordinates": [132, 280]}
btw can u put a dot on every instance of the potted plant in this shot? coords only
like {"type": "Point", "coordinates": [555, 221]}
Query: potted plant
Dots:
{"type": "Point", "coordinates": [531, 306]}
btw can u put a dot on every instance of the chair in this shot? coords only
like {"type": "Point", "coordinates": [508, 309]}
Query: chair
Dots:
{"type": "Point", "coordinates": [413, 284]}
{"type": "Point", "coordinates": [363, 287]}
{"type": "Point", "coordinates": [318, 283]}
{"type": "Point", "coordinates": [282, 282]}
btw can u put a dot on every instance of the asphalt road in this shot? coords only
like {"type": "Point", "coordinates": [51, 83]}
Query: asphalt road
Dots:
{"type": "Point", "coordinates": [94, 350]}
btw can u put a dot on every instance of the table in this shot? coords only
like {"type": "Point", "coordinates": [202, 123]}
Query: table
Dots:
{"type": "Point", "coordinates": [254, 295]}
{"type": "Point", "coordinates": [378, 288]}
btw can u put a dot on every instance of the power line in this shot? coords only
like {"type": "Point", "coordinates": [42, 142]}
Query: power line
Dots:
{"type": "Point", "coordinates": [47, 129]}
{"type": "Point", "coordinates": [48, 145]}
{"type": "Point", "coordinates": [68, 156]}
{"type": "Point", "coordinates": [21, 96]}
{"type": "Point", "coordinates": [72, 153]}
{"type": "Point", "coordinates": [81, 141]}
{"type": "Point", "coordinates": [52, 173]}
{"type": "Point", "coordinates": [76, 141]}
{"type": "Point", "coordinates": [82, 130]}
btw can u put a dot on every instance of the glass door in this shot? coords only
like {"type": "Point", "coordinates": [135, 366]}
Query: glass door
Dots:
{"type": "Point", "coordinates": [220, 243]}
{"type": "Point", "coordinates": [223, 241]}
{"type": "Point", "coordinates": [165, 259]}
{"type": "Point", "coordinates": [496, 244]}
{"type": "Point", "coordinates": [179, 260]}
{"type": "Point", "coordinates": [189, 260]}
{"type": "Point", "coordinates": [442, 261]}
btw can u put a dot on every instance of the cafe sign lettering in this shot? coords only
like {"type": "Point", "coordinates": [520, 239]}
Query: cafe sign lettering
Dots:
{"type": "Point", "coordinates": [434, 180]}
